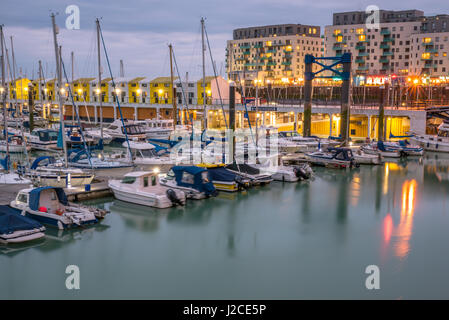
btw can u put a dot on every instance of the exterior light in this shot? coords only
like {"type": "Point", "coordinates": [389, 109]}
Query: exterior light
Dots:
{"type": "Point", "coordinates": [2, 89]}
{"type": "Point", "coordinates": [25, 89]}
{"type": "Point", "coordinates": [80, 91]}
{"type": "Point", "coordinates": [117, 91]}
{"type": "Point", "coordinates": [209, 92]}
{"type": "Point", "coordinates": [156, 170]}
{"type": "Point", "coordinates": [45, 90]}
{"type": "Point", "coordinates": [139, 91]}
{"type": "Point", "coordinates": [97, 91]}
{"type": "Point", "coordinates": [415, 81]}
{"type": "Point", "coordinates": [161, 91]}
{"type": "Point", "coordinates": [62, 90]}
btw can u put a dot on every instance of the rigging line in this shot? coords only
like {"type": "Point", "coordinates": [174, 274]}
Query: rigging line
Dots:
{"type": "Point", "coordinates": [118, 103]}
{"type": "Point", "coordinates": [246, 109]}
{"type": "Point", "coordinates": [182, 88]}
{"type": "Point", "coordinates": [77, 115]}
{"type": "Point", "coordinates": [216, 77]}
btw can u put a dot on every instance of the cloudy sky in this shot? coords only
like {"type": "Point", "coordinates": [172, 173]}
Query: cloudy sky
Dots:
{"type": "Point", "coordinates": [139, 31]}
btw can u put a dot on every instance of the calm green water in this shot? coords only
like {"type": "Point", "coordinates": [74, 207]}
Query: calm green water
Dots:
{"type": "Point", "coordinates": [282, 241]}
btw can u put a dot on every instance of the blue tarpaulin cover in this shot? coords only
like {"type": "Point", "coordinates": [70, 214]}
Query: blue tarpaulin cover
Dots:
{"type": "Point", "coordinates": [198, 184]}
{"type": "Point", "coordinates": [221, 174]}
{"type": "Point", "coordinates": [36, 193]}
{"type": "Point", "coordinates": [11, 220]}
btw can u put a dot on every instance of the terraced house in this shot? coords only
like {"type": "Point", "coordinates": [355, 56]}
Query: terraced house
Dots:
{"type": "Point", "coordinates": [272, 53]}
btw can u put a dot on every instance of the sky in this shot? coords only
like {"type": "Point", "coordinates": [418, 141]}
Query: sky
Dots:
{"type": "Point", "coordinates": [139, 31]}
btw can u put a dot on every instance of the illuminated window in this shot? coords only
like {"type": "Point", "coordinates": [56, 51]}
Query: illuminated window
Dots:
{"type": "Point", "coordinates": [269, 43]}
{"type": "Point", "coordinates": [359, 31]}
{"type": "Point", "coordinates": [337, 32]}
{"type": "Point", "coordinates": [362, 37]}
{"type": "Point", "coordinates": [426, 40]}
{"type": "Point", "coordinates": [425, 55]}
{"type": "Point", "coordinates": [340, 39]}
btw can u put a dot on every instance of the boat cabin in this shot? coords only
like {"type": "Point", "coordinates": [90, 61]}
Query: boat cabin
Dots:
{"type": "Point", "coordinates": [343, 154]}
{"type": "Point", "coordinates": [141, 179]}
{"type": "Point", "coordinates": [43, 199]}
{"type": "Point", "coordinates": [193, 177]}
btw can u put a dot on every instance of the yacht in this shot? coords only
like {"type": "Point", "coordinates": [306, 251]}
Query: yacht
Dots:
{"type": "Point", "coordinates": [224, 179]}
{"type": "Point", "coordinates": [333, 157]}
{"type": "Point", "coordinates": [156, 128]}
{"type": "Point", "coordinates": [117, 131]}
{"type": "Point", "coordinates": [144, 188]}
{"type": "Point", "coordinates": [42, 139]}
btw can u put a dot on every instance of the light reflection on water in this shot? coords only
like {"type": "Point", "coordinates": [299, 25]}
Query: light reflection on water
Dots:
{"type": "Point", "coordinates": [289, 241]}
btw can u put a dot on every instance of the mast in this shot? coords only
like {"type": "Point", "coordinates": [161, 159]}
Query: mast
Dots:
{"type": "Point", "coordinates": [60, 88]}
{"type": "Point", "coordinates": [100, 94]}
{"type": "Point", "coordinates": [175, 108]}
{"type": "Point", "coordinates": [203, 51]}
{"type": "Point", "coordinates": [72, 60]}
{"type": "Point", "coordinates": [3, 91]}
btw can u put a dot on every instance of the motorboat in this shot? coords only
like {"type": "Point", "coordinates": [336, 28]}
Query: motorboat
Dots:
{"type": "Point", "coordinates": [15, 145]}
{"type": "Point", "coordinates": [15, 228]}
{"type": "Point", "coordinates": [253, 174]}
{"type": "Point", "coordinates": [156, 128]}
{"type": "Point", "coordinates": [362, 157]}
{"type": "Point", "coordinates": [49, 205]}
{"type": "Point", "coordinates": [145, 156]}
{"type": "Point", "coordinates": [46, 171]}
{"type": "Point", "coordinates": [283, 173]}
{"type": "Point", "coordinates": [117, 131]}
{"type": "Point", "coordinates": [76, 138]}
{"type": "Point", "coordinates": [224, 179]}
{"type": "Point", "coordinates": [374, 149]}
{"type": "Point", "coordinates": [42, 139]}
{"type": "Point", "coordinates": [144, 188]}
{"type": "Point", "coordinates": [404, 146]}
{"type": "Point", "coordinates": [192, 180]}
{"type": "Point", "coordinates": [437, 143]}
{"type": "Point", "coordinates": [310, 143]}
{"type": "Point", "coordinates": [333, 157]}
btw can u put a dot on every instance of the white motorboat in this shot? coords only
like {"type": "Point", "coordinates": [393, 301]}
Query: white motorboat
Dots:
{"type": "Point", "coordinates": [15, 228]}
{"type": "Point", "coordinates": [96, 135]}
{"type": "Point", "coordinates": [333, 157]}
{"type": "Point", "coordinates": [437, 143]}
{"type": "Point", "coordinates": [49, 205]}
{"type": "Point", "coordinates": [117, 131]}
{"type": "Point", "coordinates": [42, 139]}
{"type": "Point", "coordinates": [193, 181]}
{"type": "Point", "coordinates": [87, 160]}
{"type": "Point", "coordinates": [253, 174]}
{"type": "Point", "coordinates": [156, 128]}
{"type": "Point", "coordinates": [145, 157]}
{"type": "Point", "coordinates": [373, 149]}
{"type": "Point", "coordinates": [143, 187]}
{"type": "Point", "coordinates": [283, 173]}
{"type": "Point", "coordinates": [403, 146]}
{"type": "Point", "coordinates": [362, 157]}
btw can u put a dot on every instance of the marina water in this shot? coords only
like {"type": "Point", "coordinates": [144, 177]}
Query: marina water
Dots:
{"type": "Point", "coordinates": [281, 241]}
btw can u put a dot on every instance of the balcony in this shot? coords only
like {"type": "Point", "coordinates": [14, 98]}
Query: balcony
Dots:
{"type": "Point", "coordinates": [271, 63]}
{"type": "Point", "coordinates": [286, 63]}
{"type": "Point", "coordinates": [337, 34]}
{"type": "Point", "coordinates": [384, 60]}
{"type": "Point", "coordinates": [426, 58]}
{"type": "Point", "coordinates": [337, 48]}
{"type": "Point", "coordinates": [362, 68]}
{"type": "Point", "coordinates": [361, 60]}
{"type": "Point", "coordinates": [245, 47]}
{"type": "Point", "coordinates": [388, 39]}
{"type": "Point", "coordinates": [246, 52]}
{"type": "Point", "coordinates": [288, 56]}
{"type": "Point", "coordinates": [431, 50]}
{"type": "Point", "coordinates": [288, 51]}
{"type": "Point", "coordinates": [360, 47]}
{"type": "Point", "coordinates": [385, 46]}
{"type": "Point", "coordinates": [385, 32]}
{"type": "Point", "coordinates": [271, 51]}
{"type": "Point", "coordinates": [258, 46]}
{"type": "Point", "coordinates": [427, 44]}
{"type": "Point", "coordinates": [363, 54]}
{"type": "Point", "coordinates": [387, 54]}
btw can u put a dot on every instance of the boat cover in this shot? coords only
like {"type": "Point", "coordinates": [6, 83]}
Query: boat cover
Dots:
{"type": "Point", "coordinates": [40, 159]}
{"type": "Point", "coordinates": [243, 167]}
{"type": "Point", "coordinates": [11, 221]}
{"type": "Point", "coordinates": [36, 193]}
{"type": "Point", "coordinates": [221, 174]}
{"type": "Point", "coordinates": [198, 184]}
{"type": "Point", "coordinates": [5, 163]}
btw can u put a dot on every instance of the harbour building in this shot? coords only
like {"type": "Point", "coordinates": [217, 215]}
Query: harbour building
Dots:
{"type": "Point", "coordinates": [272, 54]}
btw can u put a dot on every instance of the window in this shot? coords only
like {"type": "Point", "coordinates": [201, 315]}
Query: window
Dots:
{"type": "Point", "coordinates": [187, 178]}
{"type": "Point", "coordinates": [23, 198]}
{"type": "Point", "coordinates": [145, 182]}
{"type": "Point", "coordinates": [129, 180]}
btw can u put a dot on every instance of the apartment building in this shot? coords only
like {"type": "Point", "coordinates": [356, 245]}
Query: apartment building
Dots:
{"type": "Point", "coordinates": [273, 53]}
{"type": "Point", "coordinates": [382, 50]}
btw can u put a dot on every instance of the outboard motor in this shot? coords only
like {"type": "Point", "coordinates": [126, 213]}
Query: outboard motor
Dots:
{"type": "Point", "coordinates": [303, 172]}
{"type": "Point", "coordinates": [240, 181]}
{"type": "Point", "coordinates": [171, 194]}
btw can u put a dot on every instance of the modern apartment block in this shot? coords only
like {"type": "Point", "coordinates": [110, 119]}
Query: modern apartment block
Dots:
{"type": "Point", "coordinates": [382, 50]}
{"type": "Point", "coordinates": [272, 53]}
{"type": "Point", "coordinates": [405, 42]}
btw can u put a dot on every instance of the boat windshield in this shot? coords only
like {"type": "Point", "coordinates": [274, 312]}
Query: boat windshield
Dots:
{"type": "Point", "coordinates": [133, 129]}
{"type": "Point", "coordinates": [129, 180]}
{"type": "Point", "coordinates": [148, 153]}
{"type": "Point", "coordinates": [443, 133]}
{"type": "Point", "coordinates": [205, 176]}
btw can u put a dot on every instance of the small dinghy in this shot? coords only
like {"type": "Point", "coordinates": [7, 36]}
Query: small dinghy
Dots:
{"type": "Point", "coordinates": [376, 149]}
{"type": "Point", "coordinates": [50, 206]}
{"type": "Point", "coordinates": [143, 187]}
{"type": "Point", "coordinates": [333, 157]}
{"type": "Point", "coordinates": [15, 228]}
{"type": "Point", "coordinates": [224, 179]}
{"type": "Point", "coordinates": [194, 181]}
{"type": "Point", "coordinates": [250, 172]}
